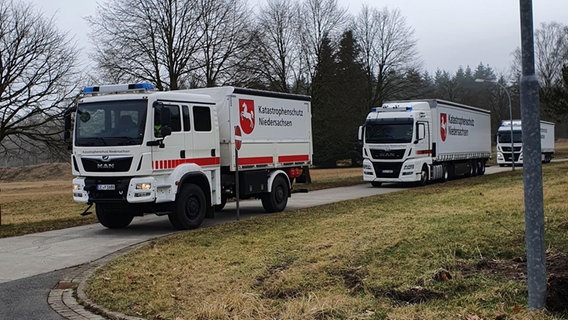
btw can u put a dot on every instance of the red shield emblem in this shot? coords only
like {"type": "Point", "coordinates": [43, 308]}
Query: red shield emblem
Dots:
{"type": "Point", "coordinates": [246, 115]}
{"type": "Point", "coordinates": [443, 126]}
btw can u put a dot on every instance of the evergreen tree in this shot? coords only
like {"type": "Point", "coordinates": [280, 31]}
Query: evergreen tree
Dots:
{"type": "Point", "coordinates": [324, 105]}
{"type": "Point", "coordinates": [352, 96]}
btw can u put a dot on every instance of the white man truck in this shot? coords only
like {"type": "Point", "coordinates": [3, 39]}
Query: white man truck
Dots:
{"type": "Point", "coordinates": [417, 141]}
{"type": "Point", "coordinates": [504, 145]}
{"type": "Point", "coordinates": [137, 150]}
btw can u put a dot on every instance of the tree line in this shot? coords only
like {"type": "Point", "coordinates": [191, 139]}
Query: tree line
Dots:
{"type": "Point", "coordinates": [346, 63]}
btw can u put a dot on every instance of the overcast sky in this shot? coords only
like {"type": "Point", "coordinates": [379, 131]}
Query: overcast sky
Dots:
{"type": "Point", "coordinates": [450, 33]}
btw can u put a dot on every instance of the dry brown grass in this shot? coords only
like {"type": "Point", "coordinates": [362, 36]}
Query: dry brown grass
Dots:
{"type": "Point", "coordinates": [374, 258]}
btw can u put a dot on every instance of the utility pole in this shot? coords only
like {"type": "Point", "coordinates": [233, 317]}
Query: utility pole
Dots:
{"type": "Point", "coordinates": [532, 172]}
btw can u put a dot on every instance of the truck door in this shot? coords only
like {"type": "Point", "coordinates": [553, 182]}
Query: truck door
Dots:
{"type": "Point", "coordinates": [175, 146]}
{"type": "Point", "coordinates": [205, 136]}
{"type": "Point", "coordinates": [422, 142]}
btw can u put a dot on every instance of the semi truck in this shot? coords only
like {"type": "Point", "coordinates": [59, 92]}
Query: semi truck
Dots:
{"type": "Point", "coordinates": [183, 153]}
{"type": "Point", "coordinates": [509, 152]}
{"type": "Point", "coordinates": [417, 141]}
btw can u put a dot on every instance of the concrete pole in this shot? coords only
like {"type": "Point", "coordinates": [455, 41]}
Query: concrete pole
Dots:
{"type": "Point", "coordinates": [532, 172]}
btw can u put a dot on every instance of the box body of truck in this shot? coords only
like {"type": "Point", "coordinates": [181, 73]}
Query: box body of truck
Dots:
{"type": "Point", "coordinates": [508, 128]}
{"type": "Point", "coordinates": [417, 141]}
{"type": "Point", "coordinates": [179, 155]}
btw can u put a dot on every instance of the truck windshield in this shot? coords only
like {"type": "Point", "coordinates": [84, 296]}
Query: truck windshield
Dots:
{"type": "Point", "coordinates": [505, 136]}
{"type": "Point", "coordinates": [389, 131]}
{"type": "Point", "coordinates": [110, 123]}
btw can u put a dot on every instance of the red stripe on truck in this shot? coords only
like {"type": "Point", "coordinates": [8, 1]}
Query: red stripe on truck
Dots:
{"type": "Point", "coordinates": [172, 163]}
{"type": "Point", "coordinates": [255, 161]}
{"type": "Point", "coordinates": [423, 151]}
{"type": "Point", "coordinates": [294, 158]}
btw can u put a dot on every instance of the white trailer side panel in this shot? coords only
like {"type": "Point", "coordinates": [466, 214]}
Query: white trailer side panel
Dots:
{"type": "Point", "coordinates": [276, 129]}
{"type": "Point", "coordinates": [547, 136]}
{"type": "Point", "coordinates": [460, 132]}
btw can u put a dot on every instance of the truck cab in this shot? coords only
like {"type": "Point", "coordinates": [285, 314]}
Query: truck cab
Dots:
{"type": "Point", "coordinates": [397, 143]}
{"type": "Point", "coordinates": [133, 147]}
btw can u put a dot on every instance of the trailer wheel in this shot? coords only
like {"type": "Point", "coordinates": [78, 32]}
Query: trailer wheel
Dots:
{"type": "Point", "coordinates": [276, 200]}
{"type": "Point", "coordinates": [189, 208]}
{"type": "Point", "coordinates": [445, 173]}
{"type": "Point", "coordinates": [376, 184]}
{"type": "Point", "coordinates": [481, 167]}
{"type": "Point", "coordinates": [113, 216]}
{"type": "Point", "coordinates": [423, 176]}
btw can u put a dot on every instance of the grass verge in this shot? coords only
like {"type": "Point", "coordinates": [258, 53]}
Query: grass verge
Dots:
{"type": "Point", "coordinates": [445, 251]}
{"type": "Point", "coordinates": [36, 206]}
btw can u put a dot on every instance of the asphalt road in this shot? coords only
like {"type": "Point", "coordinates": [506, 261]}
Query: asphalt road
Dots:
{"type": "Point", "coordinates": [31, 265]}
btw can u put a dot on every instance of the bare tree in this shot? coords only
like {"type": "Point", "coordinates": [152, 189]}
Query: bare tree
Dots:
{"type": "Point", "coordinates": [37, 75]}
{"type": "Point", "coordinates": [277, 48]}
{"type": "Point", "coordinates": [551, 53]}
{"type": "Point", "coordinates": [151, 40]}
{"type": "Point", "coordinates": [551, 48]}
{"type": "Point", "coordinates": [224, 25]}
{"type": "Point", "coordinates": [320, 19]}
{"type": "Point", "coordinates": [388, 49]}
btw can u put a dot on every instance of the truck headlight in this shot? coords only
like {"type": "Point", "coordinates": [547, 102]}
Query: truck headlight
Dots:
{"type": "Point", "coordinates": [143, 186]}
{"type": "Point", "coordinates": [408, 167]}
{"type": "Point", "coordinates": [76, 187]}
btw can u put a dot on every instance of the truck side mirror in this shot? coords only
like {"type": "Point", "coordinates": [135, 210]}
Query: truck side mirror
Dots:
{"type": "Point", "coordinates": [67, 127]}
{"type": "Point", "coordinates": [360, 134]}
{"type": "Point", "coordinates": [162, 120]}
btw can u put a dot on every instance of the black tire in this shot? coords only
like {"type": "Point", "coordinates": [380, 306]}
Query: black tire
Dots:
{"type": "Point", "coordinates": [277, 199]}
{"type": "Point", "coordinates": [190, 208]}
{"type": "Point", "coordinates": [473, 168]}
{"type": "Point", "coordinates": [423, 176]}
{"type": "Point", "coordinates": [445, 173]}
{"type": "Point", "coordinates": [113, 216]}
{"type": "Point", "coordinates": [376, 184]}
{"type": "Point", "coordinates": [481, 167]}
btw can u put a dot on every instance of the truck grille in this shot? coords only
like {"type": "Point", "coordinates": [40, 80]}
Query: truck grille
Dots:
{"type": "Point", "coordinates": [387, 154]}
{"type": "Point", "coordinates": [387, 169]}
{"type": "Point", "coordinates": [508, 148]}
{"type": "Point", "coordinates": [508, 156]}
{"type": "Point", "coordinates": [113, 165]}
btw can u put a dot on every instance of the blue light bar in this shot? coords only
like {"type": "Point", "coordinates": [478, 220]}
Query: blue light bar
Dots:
{"type": "Point", "coordinates": [116, 88]}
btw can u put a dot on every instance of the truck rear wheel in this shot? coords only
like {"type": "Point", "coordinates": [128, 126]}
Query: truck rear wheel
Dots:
{"type": "Point", "coordinates": [481, 167]}
{"type": "Point", "coordinates": [113, 216]}
{"type": "Point", "coordinates": [423, 176]}
{"type": "Point", "coordinates": [190, 208]}
{"type": "Point", "coordinates": [276, 200]}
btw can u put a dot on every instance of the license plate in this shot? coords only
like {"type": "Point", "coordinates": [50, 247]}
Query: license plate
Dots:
{"type": "Point", "coordinates": [388, 171]}
{"type": "Point", "coordinates": [105, 186]}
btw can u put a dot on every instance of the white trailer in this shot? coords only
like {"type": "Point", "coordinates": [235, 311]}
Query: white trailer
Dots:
{"type": "Point", "coordinates": [417, 141]}
{"type": "Point", "coordinates": [137, 150]}
{"type": "Point", "coordinates": [504, 144]}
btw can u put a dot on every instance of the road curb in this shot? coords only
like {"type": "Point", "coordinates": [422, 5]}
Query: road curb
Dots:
{"type": "Point", "coordinates": [68, 297]}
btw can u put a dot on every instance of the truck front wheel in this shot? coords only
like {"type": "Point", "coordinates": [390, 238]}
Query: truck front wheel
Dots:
{"type": "Point", "coordinates": [276, 200]}
{"type": "Point", "coordinates": [113, 216]}
{"type": "Point", "coordinates": [423, 176]}
{"type": "Point", "coordinates": [190, 208]}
